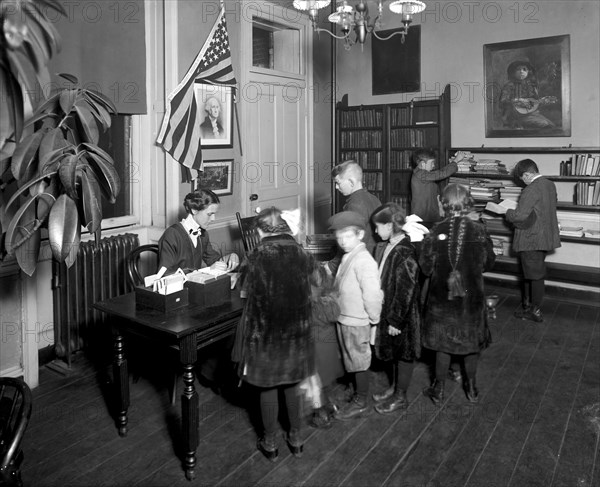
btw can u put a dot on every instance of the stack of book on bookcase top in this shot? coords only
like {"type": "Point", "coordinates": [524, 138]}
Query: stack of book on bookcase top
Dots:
{"type": "Point", "coordinates": [382, 139]}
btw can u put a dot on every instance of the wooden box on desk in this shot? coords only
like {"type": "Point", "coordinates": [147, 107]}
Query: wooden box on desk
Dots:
{"type": "Point", "coordinates": [144, 296]}
{"type": "Point", "coordinates": [211, 293]}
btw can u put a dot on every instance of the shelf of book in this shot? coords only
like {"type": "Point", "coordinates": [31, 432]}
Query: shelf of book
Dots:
{"type": "Point", "coordinates": [577, 183]}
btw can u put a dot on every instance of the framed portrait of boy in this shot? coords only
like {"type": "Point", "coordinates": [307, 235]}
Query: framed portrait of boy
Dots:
{"type": "Point", "coordinates": [215, 115]}
{"type": "Point", "coordinates": [216, 176]}
{"type": "Point", "coordinates": [527, 88]}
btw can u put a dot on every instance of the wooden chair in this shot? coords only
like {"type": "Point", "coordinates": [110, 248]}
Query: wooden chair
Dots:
{"type": "Point", "coordinates": [250, 237]}
{"type": "Point", "coordinates": [15, 411]}
{"type": "Point", "coordinates": [134, 275]}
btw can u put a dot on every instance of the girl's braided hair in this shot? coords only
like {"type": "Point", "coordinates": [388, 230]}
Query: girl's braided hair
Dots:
{"type": "Point", "coordinates": [270, 221]}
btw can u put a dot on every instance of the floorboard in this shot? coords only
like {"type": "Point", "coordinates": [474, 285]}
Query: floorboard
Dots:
{"type": "Point", "coordinates": [537, 423]}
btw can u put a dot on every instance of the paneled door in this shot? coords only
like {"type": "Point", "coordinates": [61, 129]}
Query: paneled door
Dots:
{"type": "Point", "coordinates": [277, 109]}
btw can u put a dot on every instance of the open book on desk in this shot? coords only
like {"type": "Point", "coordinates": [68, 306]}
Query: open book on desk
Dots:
{"type": "Point", "coordinates": [500, 208]}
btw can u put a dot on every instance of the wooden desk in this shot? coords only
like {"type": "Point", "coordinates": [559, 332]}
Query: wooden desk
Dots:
{"type": "Point", "coordinates": [187, 330]}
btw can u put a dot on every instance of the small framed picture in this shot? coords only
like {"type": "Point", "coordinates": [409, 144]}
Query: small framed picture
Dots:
{"type": "Point", "coordinates": [215, 115]}
{"type": "Point", "coordinates": [216, 176]}
{"type": "Point", "coordinates": [527, 88]}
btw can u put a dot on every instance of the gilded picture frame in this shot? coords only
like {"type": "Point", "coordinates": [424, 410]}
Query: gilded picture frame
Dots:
{"type": "Point", "coordinates": [527, 88]}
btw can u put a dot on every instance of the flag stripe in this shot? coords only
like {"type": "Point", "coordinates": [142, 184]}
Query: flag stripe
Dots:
{"type": "Point", "coordinates": [180, 131]}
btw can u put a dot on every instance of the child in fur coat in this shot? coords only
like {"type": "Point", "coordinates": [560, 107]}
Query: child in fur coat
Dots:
{"type": "Point", "coordinates": [398, 335]}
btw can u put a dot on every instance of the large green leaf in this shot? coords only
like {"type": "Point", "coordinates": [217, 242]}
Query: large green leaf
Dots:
{"type": "Point", "coordinates": [52, 141]}
{"type": "Point", "coordinates": [69, 77]}
{"type": "Point", "coordinates": [24, 161]}
{"type": "Point", "coordinates": [27, 254]}
{"type": "Point", "coordinates": [6, 153]}
{"type": "Point", "coordinates": [23, 218]}
{"type": "Point", "coordinates": [103, 99]}
{"type": "Point", "coordinates": [90, 198]}
{"type": "Point", "coordinates": [26, 186]}
{"type": "Point", "coordinates": [107, 176]}
{"type": "Point", "coordinates": [99, 112]}
{"type": "Point", "coordinates": [44, 205]}
{"type": "Point", "coordinates": [63, 228]}
{"type": "Point", "coordinates": [66, 172]}
{"type": "Point", "coordinates": [11, 97]}
{"type": "Point", "coordinates": [88, 122]}
{"type": "Point", "coordinates": [20, 64]}
{"type": "Point", "coordinates": [67, 100]}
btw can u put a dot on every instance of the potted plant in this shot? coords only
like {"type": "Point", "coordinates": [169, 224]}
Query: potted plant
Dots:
{"type": "Point", "coordinates": [50, 160]}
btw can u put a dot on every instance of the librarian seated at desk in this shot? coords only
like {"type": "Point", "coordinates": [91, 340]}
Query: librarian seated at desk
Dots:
{"type": "Point", "coordinates": [186, 244]}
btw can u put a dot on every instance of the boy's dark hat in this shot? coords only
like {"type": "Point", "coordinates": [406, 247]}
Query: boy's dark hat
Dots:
{"type": "Point", "coordinates": [345, 219]}
{"type": "Point", "coordinates": [515, 64]}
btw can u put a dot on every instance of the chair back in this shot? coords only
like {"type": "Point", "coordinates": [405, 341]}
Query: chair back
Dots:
{"type": "Point", "coordinates": [15, 411]}
{"type": "Point", "coordinates": [250, 237]}
{"type": "Point", "coordinates": [134, 274]}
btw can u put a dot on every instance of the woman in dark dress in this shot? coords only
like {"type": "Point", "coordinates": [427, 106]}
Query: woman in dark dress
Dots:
{"type": "Point", "coordinates": [456, 253]}
{"type": "Point", "coordinates": [274, 344]}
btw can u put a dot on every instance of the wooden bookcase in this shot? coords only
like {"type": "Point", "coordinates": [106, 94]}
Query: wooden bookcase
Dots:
{"type": "Point", "coordinates": [563, 266]}
{"type": "Point", "coordinates": [382, 139]}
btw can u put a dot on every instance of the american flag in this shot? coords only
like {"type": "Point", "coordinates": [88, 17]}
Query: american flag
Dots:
{"type": "Point", "coordinates": [180, 131]}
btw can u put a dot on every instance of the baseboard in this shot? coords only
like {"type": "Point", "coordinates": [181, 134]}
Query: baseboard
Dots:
{"type": "Point", "coordinates": [578, 296]}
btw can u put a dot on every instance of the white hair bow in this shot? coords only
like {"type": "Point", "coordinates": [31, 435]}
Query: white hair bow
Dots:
{"type": "Point", "coordinates": [414, 229]}
{"type": "Point", "coordinates": [292, 218]}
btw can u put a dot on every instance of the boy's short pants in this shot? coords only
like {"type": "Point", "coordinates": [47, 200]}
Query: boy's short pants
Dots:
{"type": "Point", "coordinates": [356, 349]}
{"type": "Point", "coordinates": [533, 265]}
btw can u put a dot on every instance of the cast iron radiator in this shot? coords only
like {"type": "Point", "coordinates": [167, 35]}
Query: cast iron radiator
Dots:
{"type": "Point", "coordinates": [100, 272]}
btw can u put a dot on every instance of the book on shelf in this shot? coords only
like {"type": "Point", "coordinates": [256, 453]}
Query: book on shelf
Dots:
{"type": "Point", "coordinates": [585, 165]}
{"type": "Point", "coordinates": [586, 193]}
{"type": "Point", "coordinates": [571, 231]}
{"type": "Point", "coordinates": [591, 233]}
{"type": "Point", "coordinates": [428, 122]}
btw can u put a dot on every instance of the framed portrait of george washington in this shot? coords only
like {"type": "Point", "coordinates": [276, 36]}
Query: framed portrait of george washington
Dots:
{"type": "Point", "coordinates": [215, 115]}
{"type": "Point", "coordinates": [527, 88]}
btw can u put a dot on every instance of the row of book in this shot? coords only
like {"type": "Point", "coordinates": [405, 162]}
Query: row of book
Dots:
{"type": "Point", "coordinates": [364, 139]}
{"type": "Point", "coordinates": [403, 201]}
{"type": "Point", "coordinates": [581, 165]}
{"type": "Point", "coordinates": [373, 181]}
{"type": "Point", "coordinates": [361, 118]}
{"type": "Point", "coordinates": [400, 160]}
{"type": "Point", "coordinates": [411, 138]}
{"type": "Point", "coordinates": [366, 159]}
{"type": "Point", "coordinates": [587, 193]}
{"type": "Point", "coordinates": [401, 116]}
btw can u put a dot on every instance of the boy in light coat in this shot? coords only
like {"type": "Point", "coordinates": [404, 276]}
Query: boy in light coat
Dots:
{"type": "Point", "coordinates": [360, 303]}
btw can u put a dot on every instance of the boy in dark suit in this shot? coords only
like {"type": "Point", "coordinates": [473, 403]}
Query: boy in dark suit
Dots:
{"type": "Point", "coordinates": [536, 233]}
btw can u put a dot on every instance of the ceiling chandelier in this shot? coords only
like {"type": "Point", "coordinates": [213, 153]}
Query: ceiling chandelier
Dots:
{"type": "Point", "coordinates": [356, 19]}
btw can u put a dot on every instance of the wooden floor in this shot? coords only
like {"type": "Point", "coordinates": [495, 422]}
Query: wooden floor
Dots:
{"type": "Point", "coordinates": [537, 424]}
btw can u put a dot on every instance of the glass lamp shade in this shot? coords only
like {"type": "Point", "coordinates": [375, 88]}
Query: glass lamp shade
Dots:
{"type": "Point", "coordinates": [342, 15]}
{"type": "Point", "coordinates": [407, 7]}
{"type": "Point", "coordinates": [310, 4]}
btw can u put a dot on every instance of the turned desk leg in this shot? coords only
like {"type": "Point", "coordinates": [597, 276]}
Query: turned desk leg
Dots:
{"type": "Point", "coordinates": [189, 405]}
{"type": "Point", "coordinates": [121, 378]}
